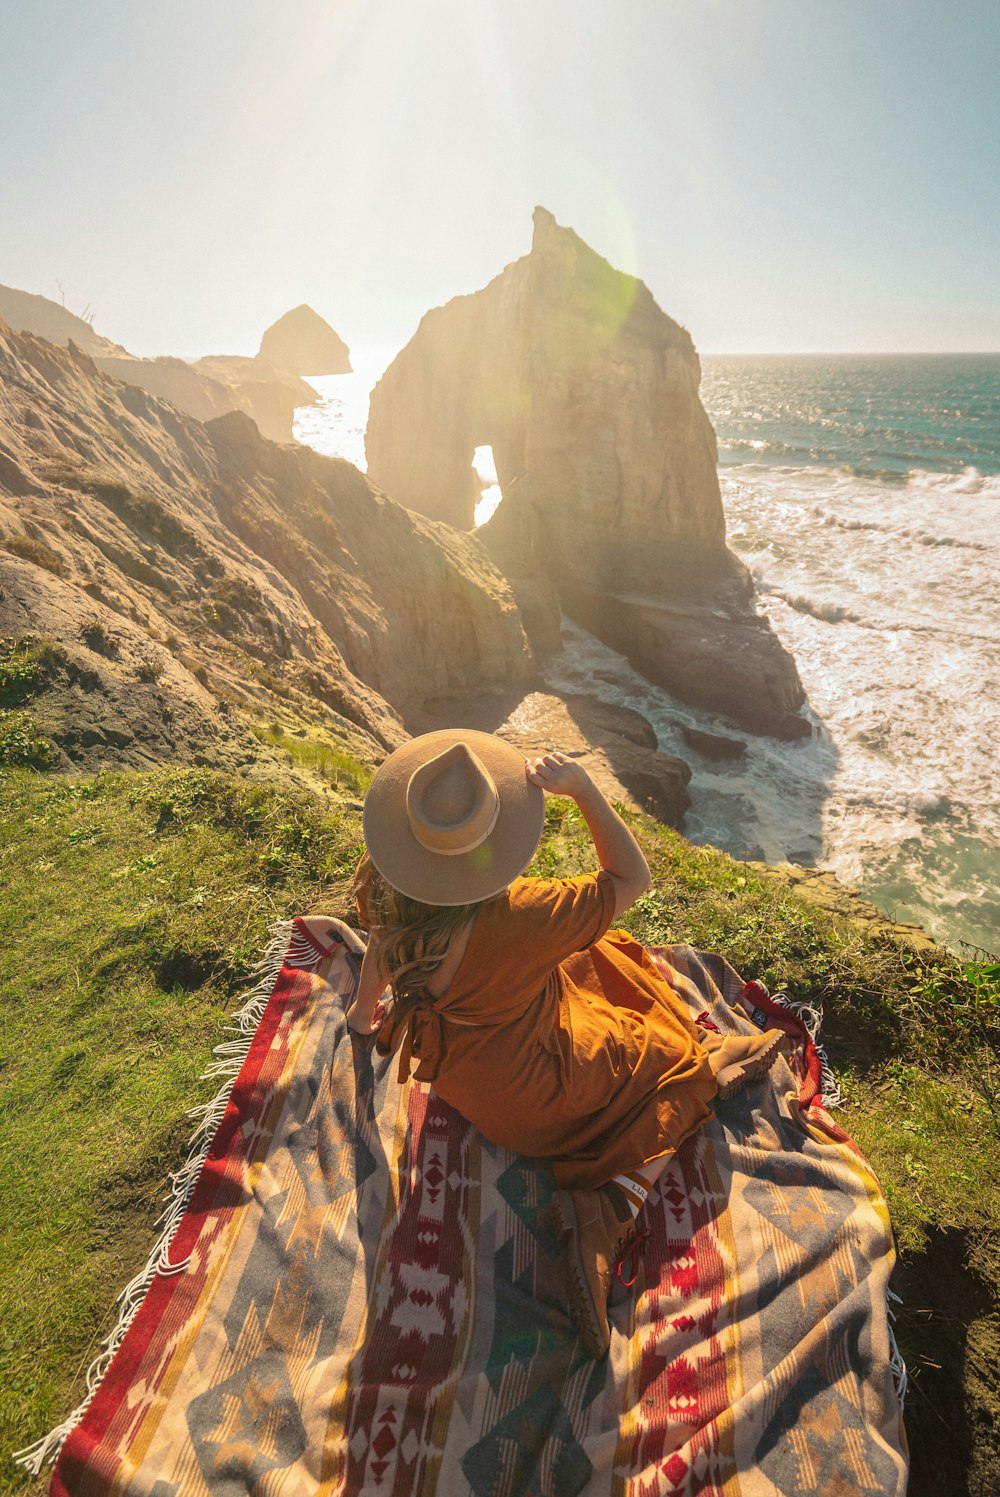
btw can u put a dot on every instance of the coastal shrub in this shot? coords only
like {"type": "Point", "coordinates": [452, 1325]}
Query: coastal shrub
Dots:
{"type": "Point", "coordinates": [97, 637]}
{"type": "Point", "coordinates": [26, 665]}
{"type": "Point", "coordinates": [147, 517]}
{"type": "Point", "coordinates": [28, 549]}
{"type": "Point", "coordinates": [70, 472]}
{"type": "Point", "coordinates": [149, 670]}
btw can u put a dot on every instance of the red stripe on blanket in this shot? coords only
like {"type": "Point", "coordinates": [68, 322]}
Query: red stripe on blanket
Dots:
{"type": "Point", "coordinates": [170, 1300]}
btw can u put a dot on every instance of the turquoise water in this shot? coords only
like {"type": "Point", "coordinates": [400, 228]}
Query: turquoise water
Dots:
{"type": "Point", "coordinates": [885, 415]}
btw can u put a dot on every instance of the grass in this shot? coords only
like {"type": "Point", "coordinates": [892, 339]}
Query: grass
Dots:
{"type": "Point", "coordinates": [26, 667]}
{"type": "Point", "coordinates": [29, 549]}
{"type": "Point", "coordinates": [327, 760]}
{"type": "Point", "coordinates": [133, 909]}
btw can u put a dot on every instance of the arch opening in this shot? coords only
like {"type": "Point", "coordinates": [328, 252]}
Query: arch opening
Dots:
{"type": "Point", "coordinates": [485, 470]}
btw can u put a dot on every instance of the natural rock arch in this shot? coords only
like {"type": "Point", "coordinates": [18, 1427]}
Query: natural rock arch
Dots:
{"type": "Point", "coordinates": [588, 394]}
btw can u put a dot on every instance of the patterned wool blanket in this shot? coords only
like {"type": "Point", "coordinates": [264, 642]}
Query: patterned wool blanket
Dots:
{"type": "Point", "coordinates": [361, 1295]}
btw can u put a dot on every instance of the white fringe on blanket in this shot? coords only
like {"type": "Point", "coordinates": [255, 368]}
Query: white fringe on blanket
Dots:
{"type": "Point", "coordinates": [812, 1017]}
{"type": "Point", "coordinates": [286, 944]}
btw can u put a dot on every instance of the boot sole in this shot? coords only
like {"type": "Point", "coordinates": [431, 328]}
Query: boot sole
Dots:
{"type": "Point", "coordinates": [732, 1077]}
{"type": "Point", "coordinates": [564, 1220]}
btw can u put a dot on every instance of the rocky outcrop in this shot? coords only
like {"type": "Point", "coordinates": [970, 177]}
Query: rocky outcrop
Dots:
{"type": "Point", "coordinates": [269, 396]}
{"type": "Point", "coordinates": [616, 745]}
{"type": "Point", "coordinates": [216, 385]}
{"type": "Point", "coordinates": [271, 577]}
{"type": "Point", "coordinates": [713, 745]}
{"type": "Point", "coordinates": [183, 384]}
{"type": "Point", "coordinates": [27, 313]}
{"type": "Point", "coordinates": [588, 395]}
{"type": "Point", "coordinates": [302, 342]}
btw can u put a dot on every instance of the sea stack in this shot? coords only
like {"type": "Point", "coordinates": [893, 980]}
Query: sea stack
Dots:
{"type": "Point", "coordinates": [587, 393]}
{"type": "Point", "coordinates": [303, 343]}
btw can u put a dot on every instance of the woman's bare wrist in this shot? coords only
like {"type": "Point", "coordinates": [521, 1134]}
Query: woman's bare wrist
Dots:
{"type": "Point", "coordinates": [589, 794]}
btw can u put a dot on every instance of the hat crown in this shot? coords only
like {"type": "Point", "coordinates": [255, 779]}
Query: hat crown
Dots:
{"type": "Point", "coordinates": [452, 802]}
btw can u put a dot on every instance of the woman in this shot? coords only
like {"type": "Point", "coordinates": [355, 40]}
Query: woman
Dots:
{"type": "Point", "coordinates": [552, 1034]}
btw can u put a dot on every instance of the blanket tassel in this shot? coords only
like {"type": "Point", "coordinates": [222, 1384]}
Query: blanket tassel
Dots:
{"type": "Point", "coordinates": [812, 1017]}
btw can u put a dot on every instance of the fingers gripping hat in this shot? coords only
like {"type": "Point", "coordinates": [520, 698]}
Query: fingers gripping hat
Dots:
{"type": "Point", "coordinates": [451, 817]}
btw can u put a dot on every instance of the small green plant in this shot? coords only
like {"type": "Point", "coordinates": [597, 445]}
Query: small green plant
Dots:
{"type": "Point", "coordinates": [23, 669]}
{"type": "Point", "coordinates": [149, 670]}
{"type": "Point", "coordinates": [96, 637]}
{"type": "Point", "coordinates": [27, 666]}
{"type": "Point", "coordinates": [22, 745]}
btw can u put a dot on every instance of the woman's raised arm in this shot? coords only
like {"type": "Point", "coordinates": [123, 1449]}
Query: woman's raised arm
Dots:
{"type": "Point", "coordinates": [618, 853]}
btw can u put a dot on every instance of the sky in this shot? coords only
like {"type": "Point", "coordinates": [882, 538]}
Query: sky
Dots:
{"type": "Point", "coordinates": [785, 175]}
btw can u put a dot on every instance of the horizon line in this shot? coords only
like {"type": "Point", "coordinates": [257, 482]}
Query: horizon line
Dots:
{"type": "Point", "coordinates": [848, 353]}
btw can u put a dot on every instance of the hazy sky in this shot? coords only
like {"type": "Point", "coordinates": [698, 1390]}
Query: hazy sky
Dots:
{"type": "Point", "coordinates": [783, 174]}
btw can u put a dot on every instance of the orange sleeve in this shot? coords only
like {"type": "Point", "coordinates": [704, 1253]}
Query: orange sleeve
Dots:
{"type": "Point", "coordinates": [546, 920]}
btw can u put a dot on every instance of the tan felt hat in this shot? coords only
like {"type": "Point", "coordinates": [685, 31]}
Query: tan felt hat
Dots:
{"type": "Point", "coordinates": [451, 817]}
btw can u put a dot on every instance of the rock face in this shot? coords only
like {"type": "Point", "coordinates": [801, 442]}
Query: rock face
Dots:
{"type": "Point", "coordinates": [304, 344]}
{"type": "Point", "coordinates": [588, 395]}
{"type": "Point", "coordinates": [616, 745]}
{"type": "Point", "coordinates": [230, 574]}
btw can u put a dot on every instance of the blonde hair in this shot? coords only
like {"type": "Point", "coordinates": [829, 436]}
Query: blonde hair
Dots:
{"type": "Point", "coordinates": [412, 938]}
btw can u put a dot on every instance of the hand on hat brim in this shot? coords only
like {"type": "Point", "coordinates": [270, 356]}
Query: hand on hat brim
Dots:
{"type": "Point", "coordinates": [558, 775]}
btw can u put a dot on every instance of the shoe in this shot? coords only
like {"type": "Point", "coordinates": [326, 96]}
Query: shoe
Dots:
{"type": "Point", "coordinates": [596, 1238]}
{"type": "Point", "coordinates": [736, 1059]}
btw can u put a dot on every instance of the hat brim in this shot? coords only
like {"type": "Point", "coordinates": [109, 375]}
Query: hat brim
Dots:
{"type": "Point", "coordinates": [461, 878]}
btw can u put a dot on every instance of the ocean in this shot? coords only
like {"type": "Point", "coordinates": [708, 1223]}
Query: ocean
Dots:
{"type": "Point", "coordinates": [864, 494]}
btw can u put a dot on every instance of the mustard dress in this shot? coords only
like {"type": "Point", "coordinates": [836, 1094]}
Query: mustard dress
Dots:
{"type": "Point", "coordinates": [558, 1037]}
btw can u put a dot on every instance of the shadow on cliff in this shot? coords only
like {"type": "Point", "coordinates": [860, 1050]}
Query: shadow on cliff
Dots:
{"type": "Point", "coordinates": [948, 1329]}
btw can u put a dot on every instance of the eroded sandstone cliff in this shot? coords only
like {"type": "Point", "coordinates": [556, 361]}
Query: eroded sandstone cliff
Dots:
{"type": "Point", "coordinates": [588, 395]}
{"type": "Point", "coordinates": [202, 570]}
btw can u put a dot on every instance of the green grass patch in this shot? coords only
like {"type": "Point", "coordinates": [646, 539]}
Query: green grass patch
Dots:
{"type": "Point", "coordinates": [134, 908]}
{"type": "Point", "coordinates": [328, 761]}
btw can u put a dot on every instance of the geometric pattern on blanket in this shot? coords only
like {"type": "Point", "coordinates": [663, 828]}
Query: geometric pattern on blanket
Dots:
{"type": "Point", "coordinates": [364, 1297]}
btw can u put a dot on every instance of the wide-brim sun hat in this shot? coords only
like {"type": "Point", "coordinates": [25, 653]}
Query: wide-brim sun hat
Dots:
{"type": "Point", "coordinates": [451, 817]}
